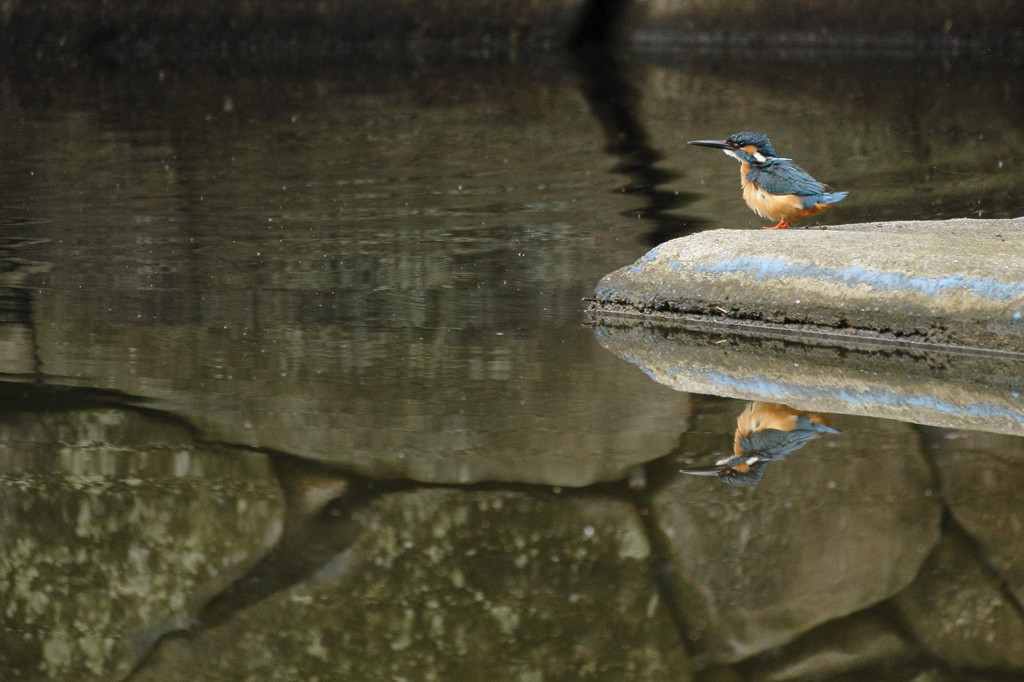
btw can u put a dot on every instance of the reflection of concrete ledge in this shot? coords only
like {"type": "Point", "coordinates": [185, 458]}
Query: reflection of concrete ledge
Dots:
{"type": "Point", "coordinates": [969, 390]}
{"type": "Point", "coordinates": [958, 282]}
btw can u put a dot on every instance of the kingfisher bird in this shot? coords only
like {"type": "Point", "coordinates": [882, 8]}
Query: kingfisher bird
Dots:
{"type": "Point", "coordinates": [765, 432]}
{"type": "Point", "coordinates": [773, 186]}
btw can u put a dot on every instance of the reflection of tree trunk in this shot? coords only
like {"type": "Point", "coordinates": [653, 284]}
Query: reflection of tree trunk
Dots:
{"type": "Point", "coordinates": [613, 97]}
{"type": "Point", "coordinates": [600, 20]}
{"type": "Point", "coordinates": [17, 337]}
{"type": "Point", "coordinates": [17, 334]}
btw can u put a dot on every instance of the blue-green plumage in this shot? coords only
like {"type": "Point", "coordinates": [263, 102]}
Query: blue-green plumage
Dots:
{"type": "Point", "coordinates": [781, 176]}
{"type": "Point", "coordinates": [741, 141]}
{"type": "Point", "coordinates": [773, 186]}
{"type": "Point", "coordinates": [776, 444]}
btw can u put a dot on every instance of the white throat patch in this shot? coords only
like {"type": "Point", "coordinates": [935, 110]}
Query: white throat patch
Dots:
{"type": "Point", "coordinates": [758, 156]}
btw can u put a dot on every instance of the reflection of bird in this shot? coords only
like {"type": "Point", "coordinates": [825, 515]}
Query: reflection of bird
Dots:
{"type": "Point", "coordinates": [774, 187]}
{"type": "Point", "coordinates": [765, 432]}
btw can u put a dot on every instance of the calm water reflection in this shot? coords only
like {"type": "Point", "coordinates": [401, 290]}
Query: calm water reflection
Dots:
{"type": "Point", "coordinates": [297, 383]}
{"type": "Point", "coordinates": [765, 433]}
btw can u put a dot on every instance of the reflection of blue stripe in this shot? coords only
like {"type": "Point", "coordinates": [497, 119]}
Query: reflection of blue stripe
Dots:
{"type": "Point", "coordinates": [783, 390]}
{"type": "Point", "coordinates": [641, 366]}
{"type": "Point", "coordinates": [773, 267]}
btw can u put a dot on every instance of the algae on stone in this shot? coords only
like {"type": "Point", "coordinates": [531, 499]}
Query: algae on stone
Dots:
{"type": "Point", "coordinates": [450, 585]}
{"type": "Point", "coordinates": [116, 528]}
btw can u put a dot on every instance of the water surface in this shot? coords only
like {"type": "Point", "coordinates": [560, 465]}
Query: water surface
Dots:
{"type": "Point", "coordinates": [296, 369]}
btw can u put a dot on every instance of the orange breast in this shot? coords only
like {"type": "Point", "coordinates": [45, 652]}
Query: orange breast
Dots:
{"type": "Point", "coordinates": [774, 207]}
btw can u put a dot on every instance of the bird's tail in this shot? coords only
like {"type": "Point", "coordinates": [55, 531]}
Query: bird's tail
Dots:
{"type": "Point", "coordinates": [832, 197]}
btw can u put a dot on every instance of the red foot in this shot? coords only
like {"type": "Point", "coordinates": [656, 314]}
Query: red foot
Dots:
{"type": "Point", "coordinates": [783, 224]}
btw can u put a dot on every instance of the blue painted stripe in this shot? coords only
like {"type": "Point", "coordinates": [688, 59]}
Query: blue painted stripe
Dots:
{"type": "Point", "coordinates": [638, 266]}
{"type": "Point", "coordinates": [774, 267]}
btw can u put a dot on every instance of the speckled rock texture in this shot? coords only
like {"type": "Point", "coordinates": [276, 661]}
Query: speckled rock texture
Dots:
{"type": "Point", "coordinates": [116, 528]}
{"type": "Point", "coordinates": [959, 611]}
{"type": "Point", "coordinates": [449, 585]}
{"type": "Point", "coordinates": [839, 527]}
{"type": "Point", "coordinates": [957, 282]}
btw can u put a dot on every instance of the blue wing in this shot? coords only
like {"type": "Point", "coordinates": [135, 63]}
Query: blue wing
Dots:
{"type": "Point", "coordinates": [772, 444]}
{"type": "Point", "coordinates": [782, 176]}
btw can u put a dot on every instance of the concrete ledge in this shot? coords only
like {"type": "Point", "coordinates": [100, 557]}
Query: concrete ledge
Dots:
{"type": "Point", "coordinates": [956, 283]}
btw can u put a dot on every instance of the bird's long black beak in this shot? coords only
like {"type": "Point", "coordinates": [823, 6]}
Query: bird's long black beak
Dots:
{"type": "Point", "coordinates": [712, 470]}
{"type": "Point", "coordinates": [717, 144]}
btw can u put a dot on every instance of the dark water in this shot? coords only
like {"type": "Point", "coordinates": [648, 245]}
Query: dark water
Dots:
{"type": "Point", "coordinates": [298, 385]}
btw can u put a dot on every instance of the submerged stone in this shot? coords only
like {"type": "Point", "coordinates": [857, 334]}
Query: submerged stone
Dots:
{"type": "Point", "coordinates": [862, 641]}
{"type": "Point", "coordinates": [959, 612]}
{"type": "Point", "coordinates": [117, 528]}
{"type": "Point", "coordinates": [842, 525]}
{"type": "Point", "coordinates": [982, 477]}
{"type": "Point", "coordinates": [451, 585]}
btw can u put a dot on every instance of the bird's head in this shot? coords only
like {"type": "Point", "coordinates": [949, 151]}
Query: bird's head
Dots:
{"type": "Point", "coordinates": [750, 147]}
{"type": "Point", "coordinates": [739, 470]}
